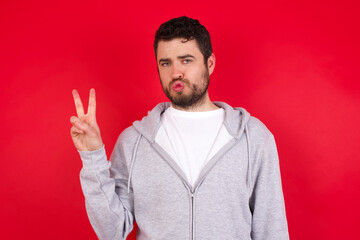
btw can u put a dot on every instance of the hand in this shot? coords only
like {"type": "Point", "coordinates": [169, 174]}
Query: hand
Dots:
{"type": "Point", "coordinates": [85, 132]}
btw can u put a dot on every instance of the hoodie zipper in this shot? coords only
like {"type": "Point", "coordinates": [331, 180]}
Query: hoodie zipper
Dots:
{"type": "Point", "coordinates": [192, 215]}
{"type": "Point", "coordinates": [187, 185]}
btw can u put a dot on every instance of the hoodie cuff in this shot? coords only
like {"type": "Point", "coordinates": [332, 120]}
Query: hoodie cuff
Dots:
{"type": "Point", "coordinates": [93, 159]}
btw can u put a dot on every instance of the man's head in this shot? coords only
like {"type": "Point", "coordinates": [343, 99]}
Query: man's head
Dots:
{"type": "Point", "coordinates": [185, 61]}
{"type": "Point", "coordinates": [187, 28]}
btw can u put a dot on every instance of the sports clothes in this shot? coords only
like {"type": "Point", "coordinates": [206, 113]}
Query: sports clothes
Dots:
{"type": "Point", "coordinates": [238, 194]}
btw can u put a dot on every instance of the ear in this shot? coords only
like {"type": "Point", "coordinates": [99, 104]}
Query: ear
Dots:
{"type": "Point", "coordinates": [211, 63]}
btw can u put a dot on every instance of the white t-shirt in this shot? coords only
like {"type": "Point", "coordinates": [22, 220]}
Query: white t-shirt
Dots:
{"type": "Point", "coordinates": [192, 138]}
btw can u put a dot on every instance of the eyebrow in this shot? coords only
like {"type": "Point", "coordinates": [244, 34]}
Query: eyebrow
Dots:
{"type": "Point", "coordinates": [179, 57]}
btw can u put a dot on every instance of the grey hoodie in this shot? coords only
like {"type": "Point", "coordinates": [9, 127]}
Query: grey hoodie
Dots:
{"type": "Point", "coordinates": [238, 195]}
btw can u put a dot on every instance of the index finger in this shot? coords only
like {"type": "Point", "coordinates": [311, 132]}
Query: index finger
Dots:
{"type": "Point", "coordinates": [78, 104]}
{"type": "Point", "coordinates": [92, 103]}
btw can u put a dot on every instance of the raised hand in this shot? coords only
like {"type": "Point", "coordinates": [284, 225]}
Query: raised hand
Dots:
{"type": "Point", "coordinates": [85, 131]}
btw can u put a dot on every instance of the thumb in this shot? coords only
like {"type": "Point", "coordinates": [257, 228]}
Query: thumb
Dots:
{"type": "Point", "coordinates": [76, 122]}
{"type": "Point", "coordinates": [89, 130]}
{"type": "Point", "coordinates": [82, 126]}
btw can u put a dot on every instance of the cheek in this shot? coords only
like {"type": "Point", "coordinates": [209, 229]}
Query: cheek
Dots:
{"type": "Point", "coordinates": [162, 74]}
{"type": "Point", "coordinates": [198, 74]}
{"type": "Point", "coordinates": [164, 77]}
{"type": "Point", "coordinates": [193, 73]}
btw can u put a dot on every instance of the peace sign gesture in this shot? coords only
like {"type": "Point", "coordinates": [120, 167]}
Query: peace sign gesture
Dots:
{"type": "Point", "coordinates": [85, 132]}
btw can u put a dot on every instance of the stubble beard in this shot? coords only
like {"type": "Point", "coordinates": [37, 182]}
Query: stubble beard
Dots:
{"type": "Point", "coordinates": [195, 98]}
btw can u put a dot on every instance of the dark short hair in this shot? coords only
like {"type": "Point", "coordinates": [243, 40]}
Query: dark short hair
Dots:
{"type": "Point", "coordinates": [188, 28]}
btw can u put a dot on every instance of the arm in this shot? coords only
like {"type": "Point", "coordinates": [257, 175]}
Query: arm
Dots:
{"type": "Point", "coordinates": [108, 209]}
{"type": "Point", "coordinates": [110, 214]}
{"type": "Point", "coordinates": [267, 201]}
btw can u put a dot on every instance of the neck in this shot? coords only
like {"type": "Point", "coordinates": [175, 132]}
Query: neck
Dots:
{"type": "Point", "coordinates": [205, 104]}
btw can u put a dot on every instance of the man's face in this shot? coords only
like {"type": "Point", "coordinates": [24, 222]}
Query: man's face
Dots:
{"type": "Point", "coordinates": [183, 74]}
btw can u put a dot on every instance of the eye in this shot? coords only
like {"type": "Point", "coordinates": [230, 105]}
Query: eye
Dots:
{"type": "Point", "coordinates": [165, 64]}
{"type": "Point", "coordinates": [186, 60]}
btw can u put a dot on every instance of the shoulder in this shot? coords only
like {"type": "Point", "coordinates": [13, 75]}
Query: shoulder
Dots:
{"type": "Point", "coordinates": [256, 126]}
{"type": "Point", "coordinates": [128, 136]}
{"type": "Point", "coordinates": [259, 133]}
{"type": "Point", "coordinates": [124, 147]}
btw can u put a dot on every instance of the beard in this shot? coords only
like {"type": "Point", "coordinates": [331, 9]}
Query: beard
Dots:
{"type": "Point", "coordinates": [196, 95]}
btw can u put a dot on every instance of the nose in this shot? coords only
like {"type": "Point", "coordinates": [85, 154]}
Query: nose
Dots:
{"type": "Point", "coordinates": [177, 72]}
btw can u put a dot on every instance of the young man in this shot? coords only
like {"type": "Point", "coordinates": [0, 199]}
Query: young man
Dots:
{"type": "Point", "coordinates": [192, 168]}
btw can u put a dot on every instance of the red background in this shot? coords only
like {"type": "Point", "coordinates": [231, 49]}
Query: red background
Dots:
{"type": "Point", "coordinates": [292, 64]}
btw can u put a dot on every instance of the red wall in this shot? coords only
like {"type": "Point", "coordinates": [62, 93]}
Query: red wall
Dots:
{"type": "Point", "coordinates": [292, 64]}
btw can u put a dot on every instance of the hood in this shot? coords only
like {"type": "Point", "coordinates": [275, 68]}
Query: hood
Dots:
{"type": "Point", "coordinates": [235, 120]}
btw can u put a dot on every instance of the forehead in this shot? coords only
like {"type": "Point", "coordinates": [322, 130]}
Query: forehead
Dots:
{"type": "Point", "coordinates": [177, 47]}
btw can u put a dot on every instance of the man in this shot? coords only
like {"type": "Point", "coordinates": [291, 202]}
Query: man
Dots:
{"type": "Point", "coordinates": [192, 169]}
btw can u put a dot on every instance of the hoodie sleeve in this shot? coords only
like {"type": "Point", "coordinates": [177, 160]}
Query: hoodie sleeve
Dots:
{"type": "Point", "coordinates": [267, 201]}
{"type": "Point", "coordinates": [109, 209]}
